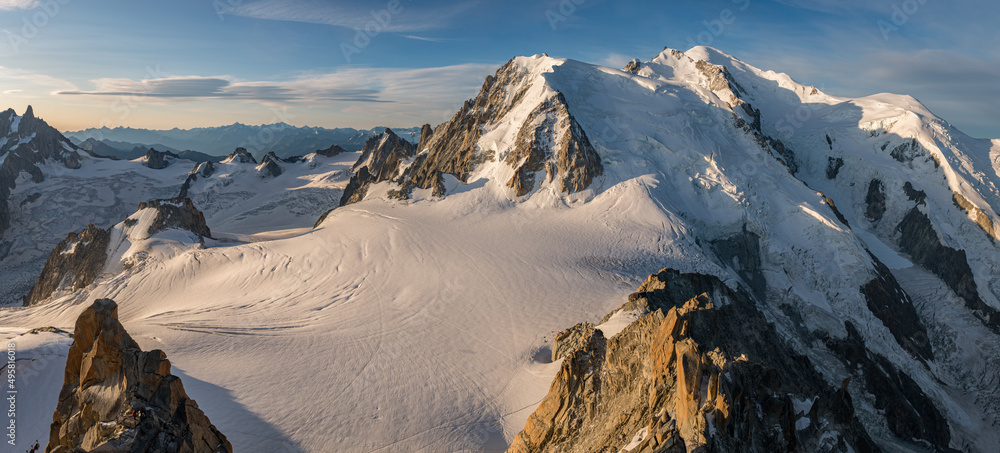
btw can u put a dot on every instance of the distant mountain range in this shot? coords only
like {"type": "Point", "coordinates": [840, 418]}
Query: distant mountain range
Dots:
{"type": "Point", "coordinates": [283, 139]}
{"type": "Point", "coordinates": [129, 151]}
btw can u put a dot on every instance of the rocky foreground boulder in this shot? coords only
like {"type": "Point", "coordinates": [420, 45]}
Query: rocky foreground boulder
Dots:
{"type": "Point", "coordinates": [117, 397]}
{"type": "Point", "coordinates": [704, 371]}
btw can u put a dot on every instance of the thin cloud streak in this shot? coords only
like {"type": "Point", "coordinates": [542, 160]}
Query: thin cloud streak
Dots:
{"type": "Point", "coordinates": [407, 19]}
{"type": "Point", "coordinates": [367, 85]}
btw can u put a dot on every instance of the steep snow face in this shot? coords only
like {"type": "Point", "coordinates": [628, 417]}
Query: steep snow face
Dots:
{"type": "Point", "coordinates": [423, 325]}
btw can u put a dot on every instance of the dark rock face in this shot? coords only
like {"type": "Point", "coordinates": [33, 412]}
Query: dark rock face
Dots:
{"type": "Point", "coordinates": [907, 152]}
{"type": "Point", "coordinates": [921, 242]}
{"type": "Point", "coordinates": [333, 150]}
{"type": "Point", "coordinates": [889, 303]}
{"type": "Point", "coordinates": [913, 194]}
{"type": "Point", "coordinates": [697, 376]}
{"type": "Point", "coordinates": [380, 161]}
{"type": "Point", "coordinates": [270, 166]}
{"type": "Point", "coordinates": [875, 199]}
{"type": "Point", "coordinates": [633, 66]}
{"type": "Point", "coordinates": [117, 397]}
{"type": "Point", "coordinates": [572, 160]}
{"type": "Point", "coordinates": [833, 167]}
{"type": "Point", "coordinates": [74, 264]}
{"type": "Point", "coordinates": [158, 160]}
{"type": "Point", "coordinates": [785, 154]}
{"type": "Point", "coordinates": [241, 156]}
{"type": "Point", "coordinates": [742, 251]}
{"type": "Point", "coordinates": [908, 411]}
{"type": "Point", "coordinates": [176, 213]}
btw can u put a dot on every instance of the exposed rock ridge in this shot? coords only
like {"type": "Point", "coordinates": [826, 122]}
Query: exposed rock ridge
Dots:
{"type": "Point", "coordinates": [176, 213]}
{"type": "Point", "coordinates": [690, 375]}
{"type": "Point", "coordinates": [270, 166]}
{"type": "Point", "coordinates": [158, 160]}
{"type": "Point", "coordinates": [380, 161]}
{"type": "Point", "coordinates": [240, 156]}
{"type": "Point", "coordinates": [74, 264]}
{"type": "Point", "coordinates": [116, 397]}
{"type": "Point", "coordinates": [551, 140]}
{"type": "Point", "coordinates": [452, 148]}
{"type": "Point", "coordinates": [981, 218]}
{"type": "Point", "coordinates": [746, 117]}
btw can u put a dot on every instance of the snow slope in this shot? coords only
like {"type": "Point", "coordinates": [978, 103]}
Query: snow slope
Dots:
{"type": "Point", "coordinates": [424, 325]}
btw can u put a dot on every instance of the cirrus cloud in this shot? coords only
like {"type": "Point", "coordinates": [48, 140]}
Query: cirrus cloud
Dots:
{"type": "Point", "coordinates": [10, 5]}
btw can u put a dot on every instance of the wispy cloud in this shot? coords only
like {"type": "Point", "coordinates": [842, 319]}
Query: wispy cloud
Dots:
{"type": "Point", "coordinates": [424, 38]}
{"type": "Point", "coordinates": [832, 6]}
{"type": "Point", "coordinates": [407, 88]}
{"type": "Point", "coordinates": [615, 60]}
{"type": "Point", "coordinates": [220, 88]}
{"type": "Point", "coordinates": [403, 18]}
{"type": "Point", "coordinates": [10, 5]}
{"type": "Point", "coordinates": [19, 79]}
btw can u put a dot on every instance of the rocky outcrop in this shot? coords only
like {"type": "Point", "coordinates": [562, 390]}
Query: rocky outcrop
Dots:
{"type": "Point", "coordinates": [919, 240]}
{"type": "Point", "coordinates": [117, 397]}
{"type": "Point", "coordinates": [702, 371]}
{"type": "Point", "coordinates": [913, 194]}
{"type": "Point", "coordinates": [380, 160]}
{"type": "Point", "coordinates": [981, 218]}
{"type": "Point", "coordinates": [551, 140]}
{"type": "Point", "coordinates": [74, 264]}
{"type": "Point", "coordinates": [333, 150]}
{"type": "Point", "coordinates": [909, 151]}
{"type": "Point", "coordinates": [875, 201]}
{"type": "Point", "coordinates": [833, 166]}
{"type": "Point", "coordinates": [270, 166]}
{"type": "Point", "coordinates": [175, 213]}
{"type": "Point", "coordinates": [633, 66]}
{"type": "Point", "coordinates": [158, 160]}
{"type": "Point", "coordinates": [240, 156]}
{"type": "Point", "coordinates": [426, 132]}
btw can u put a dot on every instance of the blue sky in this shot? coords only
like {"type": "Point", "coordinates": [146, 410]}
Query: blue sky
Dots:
{"type": "Point", "coordinates": [189, 63]}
